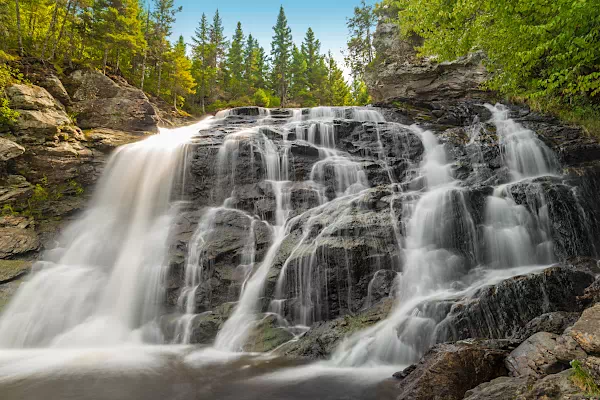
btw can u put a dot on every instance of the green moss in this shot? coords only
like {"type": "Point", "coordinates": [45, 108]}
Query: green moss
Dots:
{"type": "Point", "coordinates": [10, 269]}
{"type": "Point", "coordinates": [583, 380]}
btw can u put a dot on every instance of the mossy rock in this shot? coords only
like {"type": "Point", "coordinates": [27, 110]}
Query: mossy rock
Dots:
{"type": "Point", "coordinates": [267, 336]}
{"type": "Point", "coordinates": [13, 269]}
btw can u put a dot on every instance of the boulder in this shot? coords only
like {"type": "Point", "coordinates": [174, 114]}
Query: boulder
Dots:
{"type": "Point", "coordinates": [17, 241]}
{"type": "Point", "coordinates": [502, 310]}
{"type": "Point", "coordinates": [9, 149]}
{"type": "Point", "coordinates": [267, 335]}
{"type": "Point", "coordinates": [324, 337]}
{"type": "Point", "coordinates": [100, 102]}
{"type": "Point", "coordinates": [503, 388]}
{"type": "Point", "coordinates": [448, 371]}
{"type": "Point", "coordinates": [535, 357]}
{"type": "Point", "coordinates": [553, 322]}
{"type": "Point", "coordinates": [40, 115]}
{"type": "Point", "coordinates": [586, 330]}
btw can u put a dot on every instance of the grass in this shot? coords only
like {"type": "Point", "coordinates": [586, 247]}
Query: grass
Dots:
{"type": "Point", "coordinates": [583, 380]}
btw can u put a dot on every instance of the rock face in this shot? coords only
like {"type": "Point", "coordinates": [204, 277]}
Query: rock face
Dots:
{"type": "Point", "coordinates": [586, 330]}
{"type": "Point", "coordinates": [100, 102]}
{"type": "Point", "coordinates": [447, 371]}
{"type": "Point", "coordinates": [397, 73]}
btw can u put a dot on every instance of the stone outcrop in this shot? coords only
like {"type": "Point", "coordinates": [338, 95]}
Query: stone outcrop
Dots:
{"type": "Point", "coordinates": [586, 330]}
{"type": "Point", "coordinates": [100, 102]}
{"type": "Point", "coordinates": [398, 74]}
{"type": "Point", "coordinates": [447, 371]}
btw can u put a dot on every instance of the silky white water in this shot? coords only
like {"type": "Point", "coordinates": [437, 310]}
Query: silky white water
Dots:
{"type": "Point", "coordinates": [102, 286]}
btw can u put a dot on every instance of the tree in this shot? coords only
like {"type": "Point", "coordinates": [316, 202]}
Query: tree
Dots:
{"type": "Point", "coordinates": [182, 82]}
{"type": "Point", "coordinates": [164, 17]}
{"type": "Point", "coordinates": [360, 44]}
{"type": "Point", "coordinates": [202, 69]}
{"type": "Point", "coordinates": [360, 93]}
{"type": "Point", "coordinates": [235, 63]}
{"type": "Point", "coordinates": [219, 44]}
{"type": "Point", "coordinates": [299, 90]}
{"type": "Point", "coordinates": [338, 90]}
{"type": "Point", "coordinates": [20, 38]}
{"type": "Point", "coordinates": [281, 53]}
{"type": "Point", "coordinates": [535, 48]}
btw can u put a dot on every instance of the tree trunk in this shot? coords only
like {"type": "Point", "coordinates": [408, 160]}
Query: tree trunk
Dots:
{"type": "Point", "coordinates": [159, 78]}
{"type": "Point", "coordinates": [61, 30]}
{"type": "Point", "coordinates": [143, 68]}
{"type": "Point", "coordinates": [50, 29]}
{"type": "Point", "coordinates": [118, 60]}
{"type": "Point", "coordinates": [104, 60]}
{"type": "Point", "coordinates": [18, 11]}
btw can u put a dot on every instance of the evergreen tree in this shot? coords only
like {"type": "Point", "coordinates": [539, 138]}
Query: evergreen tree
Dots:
{"type": "Point", "coordinates": [164, 17]}
{"type": "Point", "coordinates": [235, 63]}
{"type": "Point", "coordinates": [360, 93]}
{"type": "Point", "coordinates": [219, 44]}
{"type": "Point", "coordinates": [202, 69]}
{"type": "Point", "coordinates": [316, 69]}
{"type": "Point", "coordinates": [338, 90]}
{"type": "Point", "coordinates": [182, 82]}
{"type": "Point", "coordinates": [360, 45]}
{"type": "Point", "coordinates": [262, 67]}
{"type": "Point", "coordinates": [250, 63]}
{"type": "Point", "coordinates": [298, 91]}
{"type": "Point", "coordinates": [281, 48]}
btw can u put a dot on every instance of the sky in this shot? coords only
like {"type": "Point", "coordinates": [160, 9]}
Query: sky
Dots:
{"type": "Point", "coordinates": [326, 17]}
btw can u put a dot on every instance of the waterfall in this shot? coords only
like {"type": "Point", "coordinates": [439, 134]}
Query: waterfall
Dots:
{"type": "Point", "coordinates": [102, 287]}
{"type": "Point", "coordinates": [441, 242]}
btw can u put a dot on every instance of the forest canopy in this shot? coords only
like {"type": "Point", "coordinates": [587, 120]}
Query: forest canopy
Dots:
{"type": "Point", "coordinates": [130, 39]}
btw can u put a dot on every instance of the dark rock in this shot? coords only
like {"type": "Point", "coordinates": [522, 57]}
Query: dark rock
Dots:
{"type": "Point", "coordinates": [503, 388]}
{"type": "Point", "coordinates": [447, 371]}
{"type": "Point", "coordinates": [553, 322]}
{"type": "Point", "coordinates": [500, 311]}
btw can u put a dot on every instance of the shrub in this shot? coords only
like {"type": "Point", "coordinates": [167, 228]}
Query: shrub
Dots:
{"type": "Point", "coordinates": [261, 98]}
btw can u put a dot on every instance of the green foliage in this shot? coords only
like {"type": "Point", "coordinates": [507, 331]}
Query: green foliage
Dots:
{"type": "Point", "coordinates": [281, 53]}
{"type": "Point", "coordinates": [535, 49]}
{"type": "Point", "coordinates": [8, 76]}
{"type": "Point", "coordinates": [261, 98]}
{"type": "Point", "coordinates": [360, 44]}
{"type": "Point", "coordinates": [583, 380]}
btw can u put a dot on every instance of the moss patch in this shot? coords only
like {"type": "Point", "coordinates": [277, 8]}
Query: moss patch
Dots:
{"type": "Point", "coordinates": [11, 269]}
{"type": "Point", "coordinates": [583, 380]}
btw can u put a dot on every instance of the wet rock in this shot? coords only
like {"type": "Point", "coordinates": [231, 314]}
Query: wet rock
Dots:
{"type": "Point", "coordinates": [586, 330]}
{"type": "Point", "coordinates": [554, 322]}
{"type": "Point", "coordinates": [557, 386]}
{"type": "Point", "coordinates": [323, 337]}
{"type": "Point", "coordinates": [535, 357]}
{"type": "Point", "coordinates": [447, 371]}
{"type": "Point", "coordinates": [100, 102]}
{"type": "Point", "coordinates": [267, 335]}
{"type": "Point", "coordinates": [500, 311]}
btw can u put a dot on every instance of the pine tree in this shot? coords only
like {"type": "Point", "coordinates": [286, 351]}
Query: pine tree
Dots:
{"type": "Point", "coordinates": [219, 44]}
{"type": "Point", "coordinates": [164, 17]}
{"type": "Point", "coordinates": [281, 48]}
{"type": "Point", "coordinates": [316, 69]}
{"type": "Point", "coordinates": [182, 82]}
{"type": "Point", "coordinates": [250, 50]}
{"type": "Point", "coordinates": [262, 67]}
{"type": "Point", "coordinates": [298, 91]}
{"type": "Point", "coordinates": [360, 45]}
{"type": "Point", "coordinates": [235, 63]}
{"type": "Point", "coordinates": [338, 90]}
{"type": "Point", "coordinates": [202, 69]}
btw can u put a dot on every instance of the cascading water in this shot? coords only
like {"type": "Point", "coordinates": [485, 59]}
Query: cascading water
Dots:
{"type": "Point", "coordinates": [103, 287]}
{"type": "Point", "coordinates": [324, 218]}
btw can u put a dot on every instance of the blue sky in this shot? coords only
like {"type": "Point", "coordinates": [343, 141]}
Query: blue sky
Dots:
{"type": "Point", "coordinates": [326, 17]}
